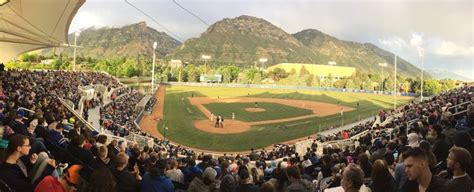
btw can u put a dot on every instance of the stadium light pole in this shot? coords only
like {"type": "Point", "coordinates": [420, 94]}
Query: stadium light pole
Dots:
{"type": "Point", "coordinates": [421, 52]}
{"type": "Point", "coordinates": [153, 68]}
{"type": "Point", "coordinates": [263, 61]}
{"type": "Point", "coordinates": [383, 65]}
{"type": "Point", "coordinates": [395, 85]}
{"type": "Point", "coordinates": [205, 57]}
{"type": "Point", "coordinates": [76, 34]}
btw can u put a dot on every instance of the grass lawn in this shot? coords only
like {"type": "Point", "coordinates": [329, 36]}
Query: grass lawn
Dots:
{"type": "Point", "coordinates": [179, 116]}
{"type": "Point", "coordinates": [272, 111]}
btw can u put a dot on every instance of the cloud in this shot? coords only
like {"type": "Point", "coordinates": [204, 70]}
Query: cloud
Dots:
{"type": "Point", "coordinates": [394, 44]}
{"type": "Point", "coordinates": [86, 19]}
{"type": "Point", "coordinates": [449, 48]}
{"type": "Point", "coordinates": [416, 40]}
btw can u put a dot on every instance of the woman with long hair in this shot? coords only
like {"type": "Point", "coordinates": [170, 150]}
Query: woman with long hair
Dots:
{"type": "Point", "coordinates": [382, 180]}
{"type": "Point", "coordinates": [364, 163]}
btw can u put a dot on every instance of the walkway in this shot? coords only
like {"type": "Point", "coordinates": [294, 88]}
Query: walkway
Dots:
{"type": "Point", "coordinates": [94, 116]}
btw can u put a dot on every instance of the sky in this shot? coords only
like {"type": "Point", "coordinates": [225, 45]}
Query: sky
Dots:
{"type": "Point", "coordinates": [444, 29]}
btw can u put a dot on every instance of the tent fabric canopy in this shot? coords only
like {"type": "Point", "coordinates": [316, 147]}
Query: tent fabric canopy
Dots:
{"type": "Point", "coordinates": [27, 25]}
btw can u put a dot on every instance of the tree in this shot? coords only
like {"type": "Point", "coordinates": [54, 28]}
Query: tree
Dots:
{"type": "Point", "coordinates": [129, 68]}
{"type": "Point", "coordinates": [257, 79]}
{"type": "Point", "coordinates": [316, 81]}
{"type": "Point", "coordinates": [405, 86]}
{"type": "Point", "coordinates": [57, 64]}
{"type": "Point", "coordinates": [27, 57]}
{"type": "Point", "coordinates": [431, 86]}
{"type": "Point", "coordinates": [303, 71]}
{"type": "Point", "coordinates": [341, 83]}
{"type": "Point", "coordinates": [250, 75]}
{"type": "Point", "coordinates": [293, 71]}
{"type": "Point", "coordinates": [330, 79]}
{"type": "Point", "coordinates": [277, 74]}
{"type": "Point", "coordinates": [326, 82]}
{"type": "Point", "coordinates": [308, 79]}
{"type": "Point", "coordinates": [229, 73]}
{"type": "Point", "coordinates": [448, 84]}
{"type": "Point", "coordinates": [165, 75]}
{"type": "Point", "coordinates": [350, 84]}
{"type": "Point", "coordinates": [389, 83]}
{"type": "Point", "coordinates": [192, 73]}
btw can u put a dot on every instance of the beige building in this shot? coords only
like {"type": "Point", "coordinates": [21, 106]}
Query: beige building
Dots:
{"type": "Point", "coordinates": [175, 63]}
{"type": "Point", "coordinates": [319, 70]}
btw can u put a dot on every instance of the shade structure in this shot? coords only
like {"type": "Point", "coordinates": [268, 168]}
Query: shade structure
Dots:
{"type": "Point", "coordinates": [27, 25]}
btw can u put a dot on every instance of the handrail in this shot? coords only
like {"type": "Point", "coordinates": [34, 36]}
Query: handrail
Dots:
{"type": "Point", "coordinates": [460, 104]}
{"type": "Point", "coordinates": [464, 111]}
{"type": "Point", "coordinates": [78, 116]}
{"type": "Point", "coordinates": [25, 109]}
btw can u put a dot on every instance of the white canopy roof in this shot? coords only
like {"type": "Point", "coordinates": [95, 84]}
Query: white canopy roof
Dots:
{"type": "Point", "coordinates": [27, 25]}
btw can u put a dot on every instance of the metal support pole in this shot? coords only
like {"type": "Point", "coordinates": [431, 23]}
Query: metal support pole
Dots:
{"type": "Point", "coordinates": [395, 85]}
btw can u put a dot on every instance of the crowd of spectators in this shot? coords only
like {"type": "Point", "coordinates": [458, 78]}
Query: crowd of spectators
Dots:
{"type": "Point", "coordinates": [150, 104]}
{"type": "Point", "coordinates": [40, 152]}
{"type": "Point", "coordinates": [119, 115]}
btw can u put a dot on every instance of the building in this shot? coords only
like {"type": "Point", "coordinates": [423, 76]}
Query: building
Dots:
{"type": "Point", "coordinates": [319, 70]}
{"type": "Point", "coordinates": [175, 64]}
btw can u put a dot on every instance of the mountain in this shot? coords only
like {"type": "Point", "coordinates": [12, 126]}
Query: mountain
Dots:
{"type": "Point", "coordinates": [444, 74]}
{"type": "Point", "coordinates": [243, 40]}
{"type": "Point", "coordinates": [365, 57]}
{"type": "Point", "coordinates": [129, 40]}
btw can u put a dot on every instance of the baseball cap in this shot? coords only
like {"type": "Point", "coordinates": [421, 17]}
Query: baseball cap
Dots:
{"type": "Point", "coordinates": [20, 113]}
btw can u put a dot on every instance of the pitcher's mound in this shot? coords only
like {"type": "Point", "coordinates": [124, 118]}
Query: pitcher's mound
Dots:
{"type": "Point", "coordinates": [254, 109]}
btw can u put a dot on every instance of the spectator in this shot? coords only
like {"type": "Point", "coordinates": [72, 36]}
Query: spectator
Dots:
{"type": "Point", "coordinates": [352, 178]}
{"type": "Point", "coordinates": [296, 182]}
{"type": "Point", "coordinates": [459, 160]}
{"type": "Point", "coordinates": [425, 145]}
{"type": "Point", "coordinates": [413, 140]}
{"type": "Point", "coordinates": [381, 178]}
{"type": "Point", "coordinates": [15, 172]}
{"type": "Point", "coordinates": [102, 180]}
{"type": "Point", "coordinates": [126, 181]}
{"type": "Point", "coordinates": [417, 169]}
{"type": "Point", "coordinates": [267, 187]}
{"type": "Point", "coordinates": [363, 162]}
{"type": "Point", "coordinates": [229, 182]}
{"type": "Point", "coordinates": [68, 183]}
{"type": "Point", "coordinates": [246, 184]}
{"type": "Point", "coordinates": [203, 184]}
{"type": "Point", "coordinates": [56, 135]}
{"type": "Point", "coordinates": [174, 173]}
{"type": "Point", "coordinates": [379, 153]}
{"type": "Point", "coordinates": [439, 142]}
{"type": "Point", "coordinates": [101, 160]}
{"type": "Point", "coordinates": [155, 179]}
{"type": "Point", "coordinates": [76, 147]}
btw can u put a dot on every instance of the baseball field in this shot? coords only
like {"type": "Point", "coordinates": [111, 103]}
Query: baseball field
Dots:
{"type": "Point", "coordinates": [254, 117]}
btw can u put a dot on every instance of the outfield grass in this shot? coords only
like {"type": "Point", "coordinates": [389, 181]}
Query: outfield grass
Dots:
{"type": "Point", "coordinates": [272, 111]}
{"type": "Point", "coordinates": [179, 116]}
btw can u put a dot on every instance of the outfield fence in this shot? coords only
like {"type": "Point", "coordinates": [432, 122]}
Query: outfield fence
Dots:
{"type": "Point", "coordinates": [287, 87]}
